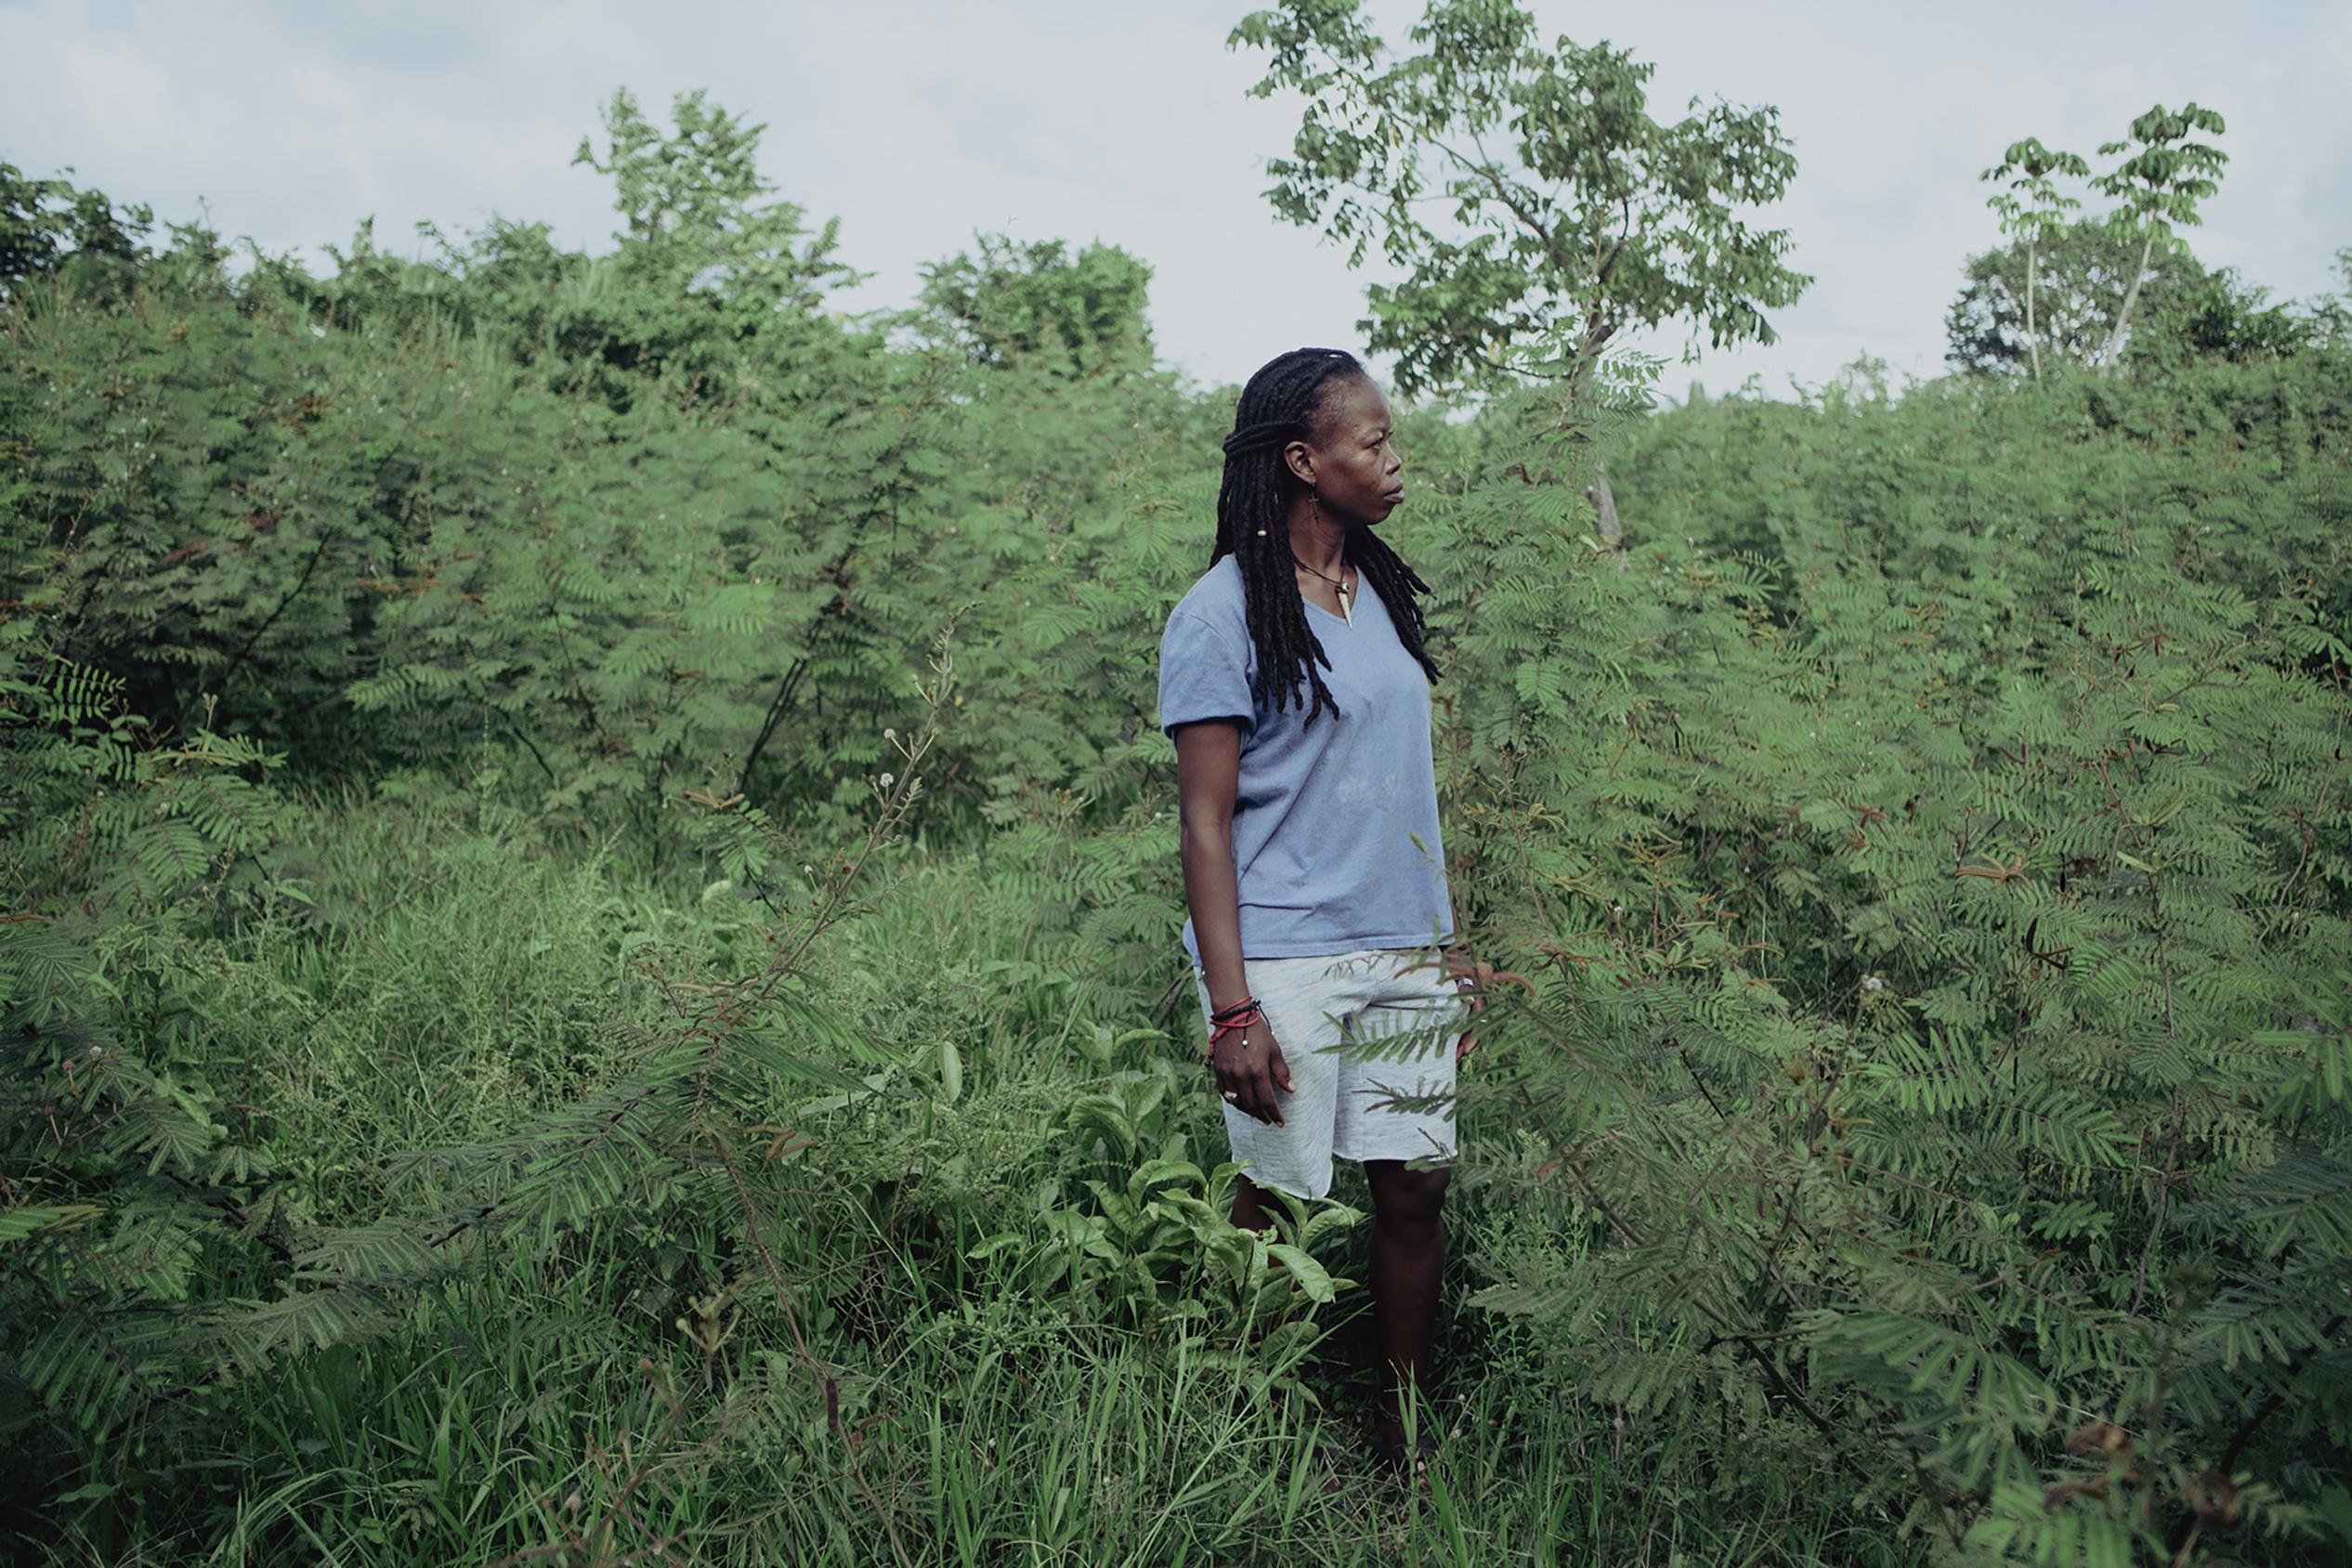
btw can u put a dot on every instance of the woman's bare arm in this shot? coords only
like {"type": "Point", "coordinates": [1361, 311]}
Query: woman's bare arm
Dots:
{"type": "Point", "coordinates": [1208, 775]}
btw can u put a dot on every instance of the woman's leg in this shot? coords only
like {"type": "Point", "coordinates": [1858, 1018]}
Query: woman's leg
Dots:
{"type": "Point", "coordinates": [1409, 1254]}
{"type": "Point", "coordinates": [1250, 1214]}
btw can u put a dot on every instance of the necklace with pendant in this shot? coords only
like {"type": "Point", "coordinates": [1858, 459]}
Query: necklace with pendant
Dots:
{"type": "Point", "coordinates": [1346, 614]}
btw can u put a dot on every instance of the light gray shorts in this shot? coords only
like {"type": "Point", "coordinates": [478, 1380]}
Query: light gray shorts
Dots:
{"type": "Point", "coordinates": [1356, 1029]}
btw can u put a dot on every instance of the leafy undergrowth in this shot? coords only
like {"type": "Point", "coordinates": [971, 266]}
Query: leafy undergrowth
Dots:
{"type": "Point", "coordinates": [1002, 1317]}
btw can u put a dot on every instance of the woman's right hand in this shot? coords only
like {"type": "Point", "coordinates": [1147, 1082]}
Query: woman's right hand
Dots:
{"type": "Point", "coordinates": [1248, 1075]}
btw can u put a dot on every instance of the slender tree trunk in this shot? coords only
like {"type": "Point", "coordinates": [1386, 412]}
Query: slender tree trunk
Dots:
{"type": "Point", "coordinates": [1613, 532]}
{"type": "Point", "coordinates": [2116, 338]}
{"type": "Point", "coordinates": [2032, 341]}
{"type": "Point", "coordinates": [1605, 524]}
{"type": "Point", "coordinates": [1610, 532]}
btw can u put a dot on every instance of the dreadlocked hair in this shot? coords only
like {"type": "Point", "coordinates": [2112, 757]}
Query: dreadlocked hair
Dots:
{"type": "Point", "coordinates": [1280, 405]}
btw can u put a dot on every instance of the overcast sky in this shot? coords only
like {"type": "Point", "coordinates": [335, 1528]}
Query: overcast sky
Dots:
{"type": "Point", "coordinates": [919, 123]}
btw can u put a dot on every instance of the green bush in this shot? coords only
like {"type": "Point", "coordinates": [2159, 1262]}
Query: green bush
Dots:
{"type": "Point", "coordinates": [607, 830]}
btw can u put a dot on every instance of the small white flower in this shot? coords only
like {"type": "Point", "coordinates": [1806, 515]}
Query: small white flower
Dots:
{"type": "Point", "coordinates": [1872, 983]}
{"type": "Point", "coordinates": [888, 779]}
{"type": "Point", "coordinates": [890, 735]}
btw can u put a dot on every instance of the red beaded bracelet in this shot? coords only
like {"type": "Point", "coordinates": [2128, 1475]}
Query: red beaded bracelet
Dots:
{"type": "Point", "coordinates": [1240, 1015]}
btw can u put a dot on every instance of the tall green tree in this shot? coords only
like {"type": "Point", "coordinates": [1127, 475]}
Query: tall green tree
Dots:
{"type": "Point", "coordinates": [2079, 272]}
{"type": "Point", "coordinates": [48, 227]}
{"type": "Point", "coordinates": [2159, 186]}
{"type": "Point", "coordinates": [709, 285]}
{"type": "Point", "coordinates": [1573, 215]}
{"type": "Point", "coordinates": [716, 280]}
{"type": "Point", "coordinates": [2031, 205]}
{"type": "Point", "coordinates": [1036, 304]}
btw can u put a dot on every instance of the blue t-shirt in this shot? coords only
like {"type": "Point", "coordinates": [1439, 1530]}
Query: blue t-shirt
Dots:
{"type": "Point", "coordinates": [1324, 816]}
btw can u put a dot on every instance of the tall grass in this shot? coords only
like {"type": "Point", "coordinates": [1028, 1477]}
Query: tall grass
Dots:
{"type": "Point", "coordinates": [462, 965]}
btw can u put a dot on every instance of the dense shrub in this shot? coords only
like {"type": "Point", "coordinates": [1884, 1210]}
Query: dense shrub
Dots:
{"type": "Point", "coordinates": [605, 824]}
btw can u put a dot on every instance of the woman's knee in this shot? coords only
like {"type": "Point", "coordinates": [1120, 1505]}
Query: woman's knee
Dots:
{"type": "Point", "coordinates": [1402, 1196]}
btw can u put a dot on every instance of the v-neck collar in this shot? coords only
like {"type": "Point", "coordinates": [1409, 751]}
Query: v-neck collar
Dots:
{"type": "Point", "coordinates": [1333, 615]}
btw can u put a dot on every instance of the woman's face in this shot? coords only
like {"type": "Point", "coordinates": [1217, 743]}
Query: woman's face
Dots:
{"type": "Point", "coordinates": [1351, 467]}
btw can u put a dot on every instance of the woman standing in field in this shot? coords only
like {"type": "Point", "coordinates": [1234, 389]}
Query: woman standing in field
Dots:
{"type": "Point", "coordinates": [1313, 865]}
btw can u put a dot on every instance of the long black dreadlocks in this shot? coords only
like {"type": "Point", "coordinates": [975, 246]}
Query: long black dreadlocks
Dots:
{"type": "Point", "coordinates": [1281, 404]}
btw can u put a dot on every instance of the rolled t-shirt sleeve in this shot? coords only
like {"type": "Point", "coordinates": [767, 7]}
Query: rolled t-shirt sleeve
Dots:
{"type": "Point", "coordinates": [1202, 675]}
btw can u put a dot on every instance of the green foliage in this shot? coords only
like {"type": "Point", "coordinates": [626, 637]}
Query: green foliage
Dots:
{"type": "Point", "coordinates": [48, 228]}
{"type": "Point", "coordinates": [129, 1194]}
{"type": "Point", "coordinates": [1586, 219]}
{"type": "Point", "coordinates": [1036, 305]}
{"type": "Point", "coordinates": [2031, 206]}
{"type": "Point", "coordinates": [1922, 924]}
{"type": "Point", "coordinates": [596, 1027]}
{"type": "Point", "coordinates": [2158, 187]}
{"type": "Point", "coordinates": [2099, 266]}
{"type": "Point", "coordinates": [1152, 1246]}
{"type": "Point", "coordinates": [2223, 318]}
{"type": "Point", "coordinates": [2080, 273]}
{"type": "Point", "coordinates": [710, 283]}
{"type": "Point", "coordinates": [712, 293]}
{"type": "Point", "coordinates": [226, 504]}
{"type": "Point", "coordinates": [2075, 274]}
